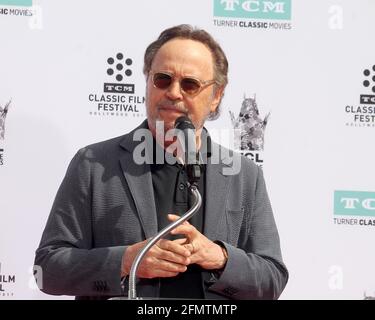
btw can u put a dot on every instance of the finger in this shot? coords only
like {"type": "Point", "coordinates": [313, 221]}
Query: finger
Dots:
{"type": "Point", "coordinates": [173, 257]}
{"type": "Point", "coordinates": [173, 246]}
{"type": "Point", "coordinates": [153, 262]}
{"type": "Point", "coordinates": [170, 266]}
{"type": "Point", "coordinates": [190, 247]}
{"type": "Point", "coordinates": [163, 243]}
{"type": "Point", "coordinates": [173, 217]}
{"type": "Point", "coordinates": [181, 241]}
{"type": "Point", "coordinates": [187, 230]}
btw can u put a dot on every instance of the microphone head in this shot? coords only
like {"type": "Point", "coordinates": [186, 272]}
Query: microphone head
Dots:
{"type": "Point", "coordinates": [183, 123]}
{"type": "Point", "coordinates": [186, 137]}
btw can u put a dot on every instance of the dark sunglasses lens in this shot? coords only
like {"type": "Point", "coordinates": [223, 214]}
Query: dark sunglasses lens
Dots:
{"type": "Point", "coordinates": [190, 86]}
{"type": "Point", "coordinates": [162, 80]}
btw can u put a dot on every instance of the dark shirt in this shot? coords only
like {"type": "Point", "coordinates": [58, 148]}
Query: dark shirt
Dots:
{"type": "Point", "coordinates": [172, 196]}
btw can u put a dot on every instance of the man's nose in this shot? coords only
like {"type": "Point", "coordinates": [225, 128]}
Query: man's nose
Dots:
{"type": "Point", "coordinates": [174, 91]}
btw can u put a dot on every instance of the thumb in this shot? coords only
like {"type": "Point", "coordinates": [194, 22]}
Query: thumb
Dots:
{"type": "Point", "coordinates": [173, 217]}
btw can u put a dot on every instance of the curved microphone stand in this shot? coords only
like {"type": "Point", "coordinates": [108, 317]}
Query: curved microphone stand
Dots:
{"type": "Point", "coordinates": [197, 198]}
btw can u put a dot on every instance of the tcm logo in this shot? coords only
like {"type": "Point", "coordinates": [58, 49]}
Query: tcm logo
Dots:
{"type": "Point", "coordinates": [119, 88]}
{"type": "Point", "coordinates": [256, 9]}
{"type": "Point", "coordinates": [118, 68]}
{"type": "Point", "coordinates": [20, 3]}
{"type": "Point", "coordinates": [354, 203]}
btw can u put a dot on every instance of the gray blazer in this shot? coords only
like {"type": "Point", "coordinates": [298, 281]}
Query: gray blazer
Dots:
{"type": "Point", "coordinates": [106, 203]}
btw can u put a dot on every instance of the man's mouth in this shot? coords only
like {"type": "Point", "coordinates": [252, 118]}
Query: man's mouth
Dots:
{"type": "Point", "coordinates": [171, 109]}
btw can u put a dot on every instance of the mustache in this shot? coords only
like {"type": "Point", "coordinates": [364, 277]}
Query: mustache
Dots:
{"type": "Point", "coordinates": [169, 105]}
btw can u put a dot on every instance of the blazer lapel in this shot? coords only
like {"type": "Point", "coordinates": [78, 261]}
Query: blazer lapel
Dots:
{"type": "Point", "coordinates": [139, 180]}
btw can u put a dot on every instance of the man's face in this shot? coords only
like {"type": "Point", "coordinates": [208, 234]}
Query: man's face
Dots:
{"type": "Point", "coordinates": [181, 58]}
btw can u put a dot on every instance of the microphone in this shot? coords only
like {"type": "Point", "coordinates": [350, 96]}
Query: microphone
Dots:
{"type": "Point", "coordinates": [186, 137]}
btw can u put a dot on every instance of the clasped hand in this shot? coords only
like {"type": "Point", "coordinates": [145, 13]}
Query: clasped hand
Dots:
{"type": "Point", "coordinates": [168, 258]}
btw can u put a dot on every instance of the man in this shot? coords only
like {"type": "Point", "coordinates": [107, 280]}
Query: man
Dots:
{"type": "Point", "coordinates": [108, 205]}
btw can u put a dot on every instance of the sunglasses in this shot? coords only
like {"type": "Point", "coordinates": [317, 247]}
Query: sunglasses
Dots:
{"type": "Point", "coordinates": [189, 86]}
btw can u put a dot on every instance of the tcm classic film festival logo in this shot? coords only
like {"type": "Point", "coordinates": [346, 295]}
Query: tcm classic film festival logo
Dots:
{"type": "Point", "coordinates": [253, 14]}
{"type": "Point", "coordinates": [363, 114]}
{"type": "Point", "coordinates": [251, 127]}
{"type": "Point", "coordinates": [118, 98]}
{"type": "Point", "coordinates": [354, 208]}
{"type": "Point", "coordinates": [6, 283]}
{"type": "Point", "coordinates": [3, 115]}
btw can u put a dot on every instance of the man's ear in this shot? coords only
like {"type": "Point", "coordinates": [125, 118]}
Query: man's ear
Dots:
{"type": "Point", "coordinates": [217, 95]}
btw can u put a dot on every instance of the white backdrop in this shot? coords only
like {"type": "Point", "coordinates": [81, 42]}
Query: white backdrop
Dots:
{"type": "Point", "coordinates": [53, 56]}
